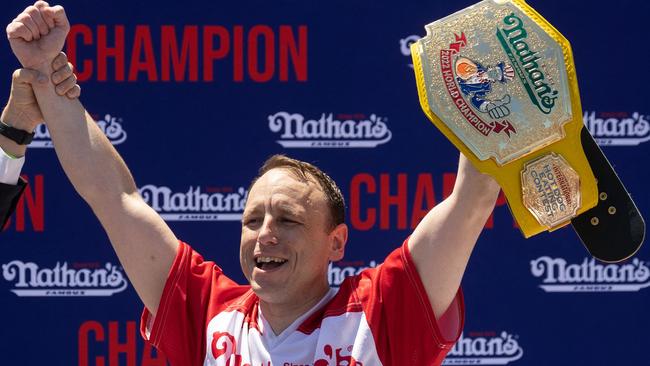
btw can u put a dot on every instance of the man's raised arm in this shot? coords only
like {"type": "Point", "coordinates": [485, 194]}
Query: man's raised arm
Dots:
{"type": "Point", "coordinates": [443, 241]}
{"type": "Point", "coordinates": [143, 242]}
{"type": "Point", "coordinates": [18, 120]}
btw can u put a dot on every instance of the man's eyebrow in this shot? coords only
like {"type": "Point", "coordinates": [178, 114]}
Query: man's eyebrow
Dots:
{"type": "Point", "coordinates": [253, 210]}
{"type": "Point", "coordinates": [290, 209]}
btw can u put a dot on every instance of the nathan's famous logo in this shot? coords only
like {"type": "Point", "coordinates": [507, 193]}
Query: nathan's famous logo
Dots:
{"type": "Point", "coordinates": [617, 128]}
{"type": "Point", "coordinates": [110, 126]}
{"type": "Point", "coordinates": [524, 60]}
{"type": "Point", "coordinates": [466, 78]}
{"type": "Point", "coordinates": [338, 271]}
{"type": "Point", "coordinates": [405, 46]}
{"type": "Point", "coordinates": [329, 131]}
{"type": "Point", "coordinates": [484, 348]}
{"type": "Point", "coordinates": [223, 349]}
{"type": "Point", "coordinates": [195, 204]}
{"type": "Point", "coordinates": [79, 279]}
{"type": "Point", "coordinates": [590, 276]}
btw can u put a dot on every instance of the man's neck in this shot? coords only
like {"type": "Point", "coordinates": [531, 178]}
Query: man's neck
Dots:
{"type": "Point", "coordinates": [280, 316]}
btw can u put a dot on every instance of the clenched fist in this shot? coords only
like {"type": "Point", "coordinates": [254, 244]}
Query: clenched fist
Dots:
{"type": "Point", "coordinates": [37, 34]}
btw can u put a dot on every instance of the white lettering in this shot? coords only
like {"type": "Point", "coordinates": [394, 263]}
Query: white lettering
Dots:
{"type": "Point", "coordinates": [503, 345]}
{"type": "Point", "coordinates": [162, 199]}
{"type": "Point", "coordinates": [354, 133]}
{"type": "Point", "coordinates": [110, 126]}
{"type": "Point", "coordinates": [336, 274]}
{"type": "Point", "coordinates": [627, 131]}
{"type": "Point", "coordinates": [29, 276]}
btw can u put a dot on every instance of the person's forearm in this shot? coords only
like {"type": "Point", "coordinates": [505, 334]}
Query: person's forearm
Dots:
{"type": "Point", "coordinates": [474, 195]}
{"type": "Point", "coordinates": [91, 163]}
{"type": "Point", "coordinates": [443, 241]}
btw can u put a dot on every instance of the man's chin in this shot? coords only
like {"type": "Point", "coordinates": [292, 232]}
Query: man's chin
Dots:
{"type": "Point", "coordinates": [270, 293]}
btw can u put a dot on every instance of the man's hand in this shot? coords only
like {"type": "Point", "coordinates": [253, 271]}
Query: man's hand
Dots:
{"type": "Point", "coordinates": [499, 108]}
{"type": "Point", "coordinates": [22, 110]}
{"type": "Point", "coordinates": [37, 34]}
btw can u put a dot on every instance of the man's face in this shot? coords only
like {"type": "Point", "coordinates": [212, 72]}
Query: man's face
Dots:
{"type": "Point", "coordinates": [286, 240]}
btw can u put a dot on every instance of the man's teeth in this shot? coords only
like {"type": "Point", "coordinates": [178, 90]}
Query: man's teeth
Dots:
{"type": "Point", "coordinates": [269, 260]}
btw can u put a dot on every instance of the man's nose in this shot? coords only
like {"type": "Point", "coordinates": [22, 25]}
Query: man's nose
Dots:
{"type": "Point", "coordinates": [267, 234]}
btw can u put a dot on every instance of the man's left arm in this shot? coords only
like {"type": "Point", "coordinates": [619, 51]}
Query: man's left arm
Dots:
{"type": "Point", "coordinates": [443, 241]}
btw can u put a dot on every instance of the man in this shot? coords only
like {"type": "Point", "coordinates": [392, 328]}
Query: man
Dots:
{"type": "Point", "coordinates": [408, 311]}
{"type": "Point", "coordinates": [19, 118]}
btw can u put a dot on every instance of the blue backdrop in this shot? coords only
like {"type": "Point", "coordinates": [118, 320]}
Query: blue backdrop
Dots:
{"type": "Point", "coordinates": [196, 128]}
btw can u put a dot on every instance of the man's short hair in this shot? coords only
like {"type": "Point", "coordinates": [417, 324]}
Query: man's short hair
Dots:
{"type": "Point", "coordinates": [306, 171]}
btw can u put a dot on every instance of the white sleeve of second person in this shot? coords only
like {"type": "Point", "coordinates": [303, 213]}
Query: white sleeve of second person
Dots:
{"type": "Point", "coordinates": [10, 168]}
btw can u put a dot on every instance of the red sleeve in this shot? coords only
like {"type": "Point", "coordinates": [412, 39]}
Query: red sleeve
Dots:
{"type": "Point", "coordinates": [400, 315]}
{"type": "Point", "coordinates": [178, 329]}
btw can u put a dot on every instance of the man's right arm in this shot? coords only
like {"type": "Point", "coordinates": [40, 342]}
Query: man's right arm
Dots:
{"type": "Point", "coordinates": [142, 240]}
{"type": "Point", "coordinates": [144, 244]}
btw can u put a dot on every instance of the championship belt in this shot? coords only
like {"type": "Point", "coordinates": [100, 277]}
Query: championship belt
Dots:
{"type": "Point", "coordinates": [499, 82]}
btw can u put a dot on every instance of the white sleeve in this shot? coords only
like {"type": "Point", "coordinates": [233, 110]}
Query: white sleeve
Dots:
{"type": "Point", "coordinates": [10, 168]}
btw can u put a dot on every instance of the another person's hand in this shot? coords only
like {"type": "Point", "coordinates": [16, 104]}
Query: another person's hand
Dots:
{"type": "Point", "coordinates": [37, 34]}
{"type": "Point", "coordinates": [22, 110]}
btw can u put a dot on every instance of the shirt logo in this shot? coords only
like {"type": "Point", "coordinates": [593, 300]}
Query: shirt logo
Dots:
{"type": "Point", "coordinates": [334, 357]}
{"type": "Point", "coordinates": [223, 348]}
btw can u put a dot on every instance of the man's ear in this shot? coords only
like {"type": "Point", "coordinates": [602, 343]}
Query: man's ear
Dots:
{"type": "Point", "coordinates": [338, 238]}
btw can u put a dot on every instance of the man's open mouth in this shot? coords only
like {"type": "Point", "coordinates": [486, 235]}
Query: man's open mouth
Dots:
{"type": "Point", "coordinates": [269, 263]}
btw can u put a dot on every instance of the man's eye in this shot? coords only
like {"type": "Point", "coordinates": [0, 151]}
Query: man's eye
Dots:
{"type": "Point", "coordinates": [287, 220]}
{"type": "Point", "coordinates": [251, 221]}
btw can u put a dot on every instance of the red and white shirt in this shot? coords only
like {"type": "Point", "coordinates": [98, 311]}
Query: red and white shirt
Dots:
{"type": "Point", "coordinates": [381, 316]}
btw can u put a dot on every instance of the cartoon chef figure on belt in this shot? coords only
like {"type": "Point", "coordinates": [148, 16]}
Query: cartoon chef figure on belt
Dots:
{"type": "Point", "coordinates": [475, 81]}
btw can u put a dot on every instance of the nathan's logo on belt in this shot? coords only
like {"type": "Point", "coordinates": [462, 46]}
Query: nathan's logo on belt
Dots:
{"type": "Point", "coordinates": [64, 281]}
{"type": "Point", "coordinates": [329, 131]}
{"type": "Point", "coordinates": [617, 128]}
{"type": "Point", "coordinates": [213, 204]}
{"type": "Point", "coordinates": [110, 126]}
{"type": "Point", "coordinates": [339, 271]}
{"type": "Point", "coordinates": [484, 349]}
{"type": "Point", "coordinates": [524, 60]}
{"type": "Point", "coordinates": [590, 276]}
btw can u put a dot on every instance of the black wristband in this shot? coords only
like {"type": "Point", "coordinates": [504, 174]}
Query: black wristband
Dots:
{"type": "Point", "coordinates": [20, 137]}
